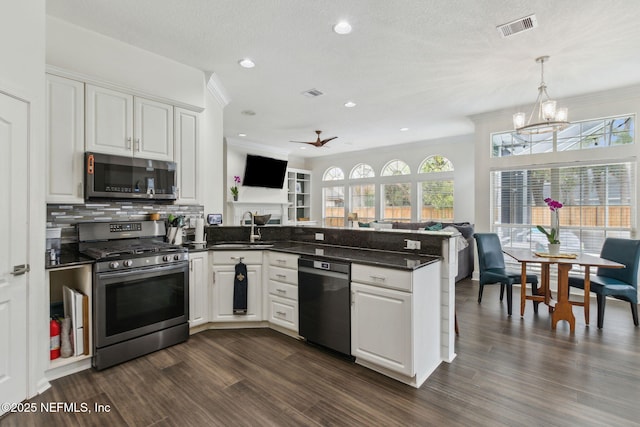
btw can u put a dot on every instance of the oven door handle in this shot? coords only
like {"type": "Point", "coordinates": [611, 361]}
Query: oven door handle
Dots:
{"type": "Point", "coordinates": [155, 269]}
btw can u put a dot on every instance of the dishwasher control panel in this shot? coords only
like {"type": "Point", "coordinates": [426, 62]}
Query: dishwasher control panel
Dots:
{"type": "Point", "coordinates": [322, 265]}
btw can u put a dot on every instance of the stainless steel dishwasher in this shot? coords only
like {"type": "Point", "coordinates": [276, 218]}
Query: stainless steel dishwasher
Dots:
{"type": "Point", "coordinates": [324, 303]}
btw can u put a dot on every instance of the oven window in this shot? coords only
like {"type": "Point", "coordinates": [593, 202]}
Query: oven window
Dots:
{"type": "Point", "coordinates": [138, 303]}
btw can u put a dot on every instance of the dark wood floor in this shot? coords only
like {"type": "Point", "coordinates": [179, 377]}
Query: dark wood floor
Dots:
{"type": "Point", "coordinates": [509, 371]}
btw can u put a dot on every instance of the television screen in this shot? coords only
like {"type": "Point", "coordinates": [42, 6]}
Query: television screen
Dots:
{"type": "Point", "coordinates": [264, 172]}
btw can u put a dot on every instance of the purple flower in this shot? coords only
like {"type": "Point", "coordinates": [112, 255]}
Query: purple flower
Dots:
{"type": "Point", "coordinates": [236, 179]}
{"type": "Point", "coordinates": [554, 205]}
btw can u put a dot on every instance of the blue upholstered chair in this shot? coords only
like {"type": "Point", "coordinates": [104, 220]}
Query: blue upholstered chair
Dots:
{"type": "Point", "coordinates": [493, 270]}
{"type": "Point", "coordinates": [620, 283]}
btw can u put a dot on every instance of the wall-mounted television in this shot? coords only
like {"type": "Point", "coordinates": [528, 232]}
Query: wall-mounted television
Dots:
{"type": "Point", "coordinates": [266, 172]}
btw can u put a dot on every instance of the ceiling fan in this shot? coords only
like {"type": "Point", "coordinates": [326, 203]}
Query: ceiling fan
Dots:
{"type": "Point", "coordinates": [318, 142]}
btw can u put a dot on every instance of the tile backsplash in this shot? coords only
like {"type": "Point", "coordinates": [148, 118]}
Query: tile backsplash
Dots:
{"type": "Point", "coordinates": [67, 216]}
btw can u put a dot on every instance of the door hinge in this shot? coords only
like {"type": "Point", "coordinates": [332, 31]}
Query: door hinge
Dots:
{"type": "Point", "coordinates": [21, 269]}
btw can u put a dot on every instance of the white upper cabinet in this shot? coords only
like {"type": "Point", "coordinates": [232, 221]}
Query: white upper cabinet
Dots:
{"type": "Point", "coordinates": [121, 124]}
{"type": "Point", "coordinates": [187, 143]}
{"type": "Point", "coordinates": [153, 129]}
{"type": "Point", "coordinates": [65, 140]}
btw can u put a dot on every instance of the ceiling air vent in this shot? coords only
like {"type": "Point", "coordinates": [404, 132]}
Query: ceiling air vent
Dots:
{"type": "Point", "coordinates": [312, 93]}
{"type": "Point", "coordinates": [523, 24]}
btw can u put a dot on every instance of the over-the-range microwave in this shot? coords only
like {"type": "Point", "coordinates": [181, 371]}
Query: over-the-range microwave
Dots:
{"type": "Point", "coordinates": [123, 177]}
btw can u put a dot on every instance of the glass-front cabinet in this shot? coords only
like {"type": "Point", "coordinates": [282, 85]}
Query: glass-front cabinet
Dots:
{"type": "Point", "coordinates": [299, 196]}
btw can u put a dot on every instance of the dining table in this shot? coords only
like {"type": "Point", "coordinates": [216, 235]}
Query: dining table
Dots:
{"type": "Point", "coordinates": [560, 308]}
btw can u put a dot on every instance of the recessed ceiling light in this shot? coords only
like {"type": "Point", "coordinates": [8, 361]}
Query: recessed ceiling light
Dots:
{"type": "Point", "coordinates": [342, 28]}
{"type": "Point", "coordinates": [246, 63]}
{"type": "Point", "coordinates": [350, 104]}
{"type": "Point", "coordinates": [404, 129]}
{"type": "Point", "coordinates": [303, 148]}
{"type": "Point", "coordinates": [242, 134]}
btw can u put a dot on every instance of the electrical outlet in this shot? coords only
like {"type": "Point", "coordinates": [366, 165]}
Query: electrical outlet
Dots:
{"type": "Point", "coordinates": [412, 244]}
{"type": "Point", "coordinates": [319, 236]}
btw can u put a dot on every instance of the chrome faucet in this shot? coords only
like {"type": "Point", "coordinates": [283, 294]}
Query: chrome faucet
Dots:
{"type": "Point", "coordinates": [253, 236]}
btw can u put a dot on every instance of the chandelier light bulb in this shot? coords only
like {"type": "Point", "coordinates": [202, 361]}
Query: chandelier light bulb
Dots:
{"type": "Point", "coordinates": [519, 120]}
{"type": "Point", "coordinates": [549, 110]}
{"type": "Point", "coordinates": [562, 114]}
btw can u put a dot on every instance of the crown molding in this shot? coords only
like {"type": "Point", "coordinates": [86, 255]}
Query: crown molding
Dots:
{"type": "Point", "coordinates": [215, 87]}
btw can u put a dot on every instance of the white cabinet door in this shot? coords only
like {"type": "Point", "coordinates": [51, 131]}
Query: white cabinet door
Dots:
{"type": "Point", "coordinates": [65, 140]}
{"type": "Point", "coordinates": [381, 327]}
{"type": "Point", "coordinates": [198, 288]}
{"type": "Point", "coordinates": [121, 124]}
{"type": "Point", "coordinates": [187, 142]}
{"type": "Point", "coordinates": [109, 121]}
{"type": "Point", "coordinates": [222, 296]}
{"type": "Point", "coordinates": [153, 130]}
{"type": "Point", "coordinates": [14, 229]}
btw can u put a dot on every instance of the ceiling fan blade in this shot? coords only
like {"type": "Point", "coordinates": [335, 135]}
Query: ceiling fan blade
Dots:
{"type": "Point", "coordinates": [324, 141]}
{"type": "Point", "coordinates": [303, 142]}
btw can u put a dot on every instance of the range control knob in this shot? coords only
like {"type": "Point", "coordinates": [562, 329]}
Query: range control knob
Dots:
{"type": "Point", "coordinates": [176, 257]}
{"type": "Point", "coordinates": [127, 263]}
{"type": "Point", "coordinates": [166, 258]}
{"type": "Point", "coordinates": [114, 264]}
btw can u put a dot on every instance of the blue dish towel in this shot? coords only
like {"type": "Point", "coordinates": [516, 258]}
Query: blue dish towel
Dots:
{"type": "Point", "coordinates": [240, 289]}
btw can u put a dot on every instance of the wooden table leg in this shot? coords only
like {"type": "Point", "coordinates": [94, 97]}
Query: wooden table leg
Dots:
{"type": "Point", "coordinates": [523, 288]}
{"type": "Point", "coordinates": [544, 283]}
{"type": "Point", "coordinates": [563, 309]}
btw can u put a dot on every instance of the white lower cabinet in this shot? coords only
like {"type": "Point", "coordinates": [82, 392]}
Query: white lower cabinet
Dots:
{"type": "Point", "coordinates": [395, 321]}
{"type": "Point", "coordinates": [282, 298]}
{"type": "Point", "coordinates": [198, 288]}
{"type": "Point", "coordinates": [381, 327]}
{"type": "Point", "coordinates": [224, 263]}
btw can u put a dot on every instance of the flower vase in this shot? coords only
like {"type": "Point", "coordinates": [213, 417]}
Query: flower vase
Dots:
{"type": "Point", "coordinates": [553, 248]}
{"type": "Point", "coordinates": [235, 197]}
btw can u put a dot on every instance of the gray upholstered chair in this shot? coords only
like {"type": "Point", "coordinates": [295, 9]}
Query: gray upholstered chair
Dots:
{"type": "Point", "coordinates": [620, 283]}
{"type": "Point", "coordinates": [493, 270]}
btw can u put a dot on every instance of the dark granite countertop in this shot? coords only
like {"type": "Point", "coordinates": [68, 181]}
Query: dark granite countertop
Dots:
{"type": "Point", "coordinates": [387, 259]}
{"type": "Point", "coordinates": [379, 258]}
{"type": "Point", "coordinates": [67, 256]}
{"type": "Point", "coordinates": [70, 257]}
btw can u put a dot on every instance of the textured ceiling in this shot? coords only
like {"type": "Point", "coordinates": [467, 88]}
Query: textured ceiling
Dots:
{"type": "Point", "coordinates": [421, 64]}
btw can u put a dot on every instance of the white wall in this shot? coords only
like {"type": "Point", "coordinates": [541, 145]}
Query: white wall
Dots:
{"type": "Point", "coordinates": [458, 149]}
{"type": "Point", "coordinates": [74, 48]}
{"type": "Point", "coordinates": [601, 104]}
{"type": "Point", "coordinates": [22, 43]}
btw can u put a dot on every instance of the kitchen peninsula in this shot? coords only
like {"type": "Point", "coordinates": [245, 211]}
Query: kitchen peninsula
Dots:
{"type": "Point", "coordinates": [401, 300]}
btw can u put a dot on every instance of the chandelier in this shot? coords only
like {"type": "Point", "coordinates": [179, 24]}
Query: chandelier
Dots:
{"type": "Point", "coordinates": [550, 118]}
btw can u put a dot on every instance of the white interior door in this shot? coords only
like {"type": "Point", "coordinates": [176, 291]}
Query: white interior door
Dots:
{"type": "Point", "coordinates": [14, 119]}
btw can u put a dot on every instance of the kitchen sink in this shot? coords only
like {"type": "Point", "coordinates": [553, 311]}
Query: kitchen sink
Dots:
{"type": "Point", "coordinates": [255, 245]}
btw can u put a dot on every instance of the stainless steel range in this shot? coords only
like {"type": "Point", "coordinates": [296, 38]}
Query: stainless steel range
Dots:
{"type": "Point", "coordinates": [140, 289]}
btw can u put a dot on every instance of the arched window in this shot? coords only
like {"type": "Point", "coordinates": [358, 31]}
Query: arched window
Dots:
{"type": "Point", "coordinates": [396, 196]}
{"type": "Point", "coordinates": [396, 167]}
{"type": "Point", "coordinates": [436, 187]}
{"type": "Point", "coordinates": [333, 174]}
{"type": "Point", "coordinates": [363, 196]}
{"type": "Point", "coordinates": [333, 210]}
{"type": "Point", "coordinates": [362, 170]}
{"type": "Point", "coordinates": [435, 164]}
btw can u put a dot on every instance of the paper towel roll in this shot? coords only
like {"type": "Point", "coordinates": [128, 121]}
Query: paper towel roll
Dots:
{"type": "Point", "coordinates": [199, 236]}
